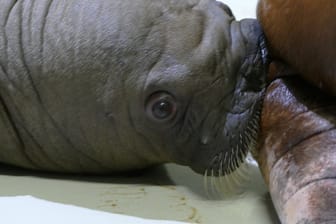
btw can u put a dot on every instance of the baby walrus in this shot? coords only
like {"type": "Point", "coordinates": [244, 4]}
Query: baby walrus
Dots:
{"type": "Point", "coordinates": [109, 86]}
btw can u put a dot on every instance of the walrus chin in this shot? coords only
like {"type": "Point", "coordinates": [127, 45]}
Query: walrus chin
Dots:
{"type": "Point", "coordinates": [228, 167]}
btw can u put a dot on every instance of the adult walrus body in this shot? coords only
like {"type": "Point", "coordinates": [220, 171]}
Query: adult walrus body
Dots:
{"type": "Point", "coordinates": [297, 151]}
{"type": "Point", "coordinates": [302, 33]}
{"type": "Point", "coordinates": [297, 139]}
{"type": "Point", "coordinates": [108, 86]}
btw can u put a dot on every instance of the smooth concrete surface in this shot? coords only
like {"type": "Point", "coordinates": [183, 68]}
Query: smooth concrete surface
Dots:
{"type": "Point", "coordinates": [170, 192]}
{"type": "Point", "coordinates": [31, 210]}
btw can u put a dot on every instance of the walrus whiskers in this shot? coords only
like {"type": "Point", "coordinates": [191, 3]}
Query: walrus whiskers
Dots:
{"type": "Point", "coordinates": [205, 183]}
{"type": "Point", "coordinates": [229, 170]}
{"type": "Point", "coordinates": [228, 184]}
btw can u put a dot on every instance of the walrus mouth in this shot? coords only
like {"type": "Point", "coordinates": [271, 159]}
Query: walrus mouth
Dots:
{"type": "Point", "coordinates": [227, 162]}
{"type": "Point", "coordinates": [230, 169]}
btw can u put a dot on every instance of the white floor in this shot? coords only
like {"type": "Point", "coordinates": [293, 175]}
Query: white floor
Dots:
{"type": "Point", "coordinates": [169, 193]}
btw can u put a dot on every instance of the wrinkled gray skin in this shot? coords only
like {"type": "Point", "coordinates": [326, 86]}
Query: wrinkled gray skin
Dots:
{"type": "Point", "coordinates": [76, 77]}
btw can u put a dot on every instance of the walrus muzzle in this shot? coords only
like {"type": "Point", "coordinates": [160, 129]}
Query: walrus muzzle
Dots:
{"type": "Point", "coordinates": [239, 122]}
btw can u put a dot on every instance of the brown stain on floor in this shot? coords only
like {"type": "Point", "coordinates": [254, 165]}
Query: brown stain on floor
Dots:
{"type": "Point", "coordinates": [179, 203]}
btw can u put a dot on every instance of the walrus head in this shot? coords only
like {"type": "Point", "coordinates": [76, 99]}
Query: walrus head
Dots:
{"type": "Point", "coordinates": [202, 97]}
{"type": "Point", "coordinates": [145, 82]}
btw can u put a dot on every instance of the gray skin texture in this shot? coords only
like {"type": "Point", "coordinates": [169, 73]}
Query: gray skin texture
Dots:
{"type": "Point", "coordinates": [77, 79]}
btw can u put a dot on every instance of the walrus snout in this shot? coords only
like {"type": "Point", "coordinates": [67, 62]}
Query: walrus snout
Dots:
{"type": "Point", "coordinates": [239, 122]}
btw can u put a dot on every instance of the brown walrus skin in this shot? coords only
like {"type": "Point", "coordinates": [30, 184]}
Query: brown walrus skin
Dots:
{"type": "Point", "coordinates": [302, 33]}
{"type": "Point", "coordinates": [297, 151]}
{"type": "Point", "coordinates": [297, 144]}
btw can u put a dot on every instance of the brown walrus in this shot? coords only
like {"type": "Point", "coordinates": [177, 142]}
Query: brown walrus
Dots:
{"type": "Point", "coordinates": [297, 142]}
{"type": "Point", "coordinates": [302, 33]}
{"type": "Point", "coordinates": [297, 151]}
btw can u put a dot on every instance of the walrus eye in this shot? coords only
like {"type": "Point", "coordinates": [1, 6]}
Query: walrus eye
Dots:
{"type": "Point", "coordinates": [161, 107]}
